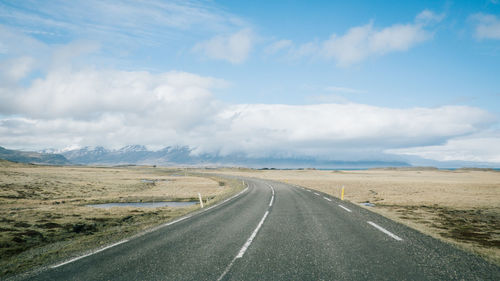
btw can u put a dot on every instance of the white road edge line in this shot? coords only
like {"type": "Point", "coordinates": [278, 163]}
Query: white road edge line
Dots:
{"type": "Point", "coordinates": [326, 198]}
{"type": "Point", "coordinates": [89, 254]}
{"type": "Point", "coordinates": [147, 231]}
{"type": "Point", "coordinates": [385, 231]}
{"type": "Point", "coordinates": [308, 190]}
{"type": "Point", "coordinates": [316, 193]}
{"type": "Point", "coordinates": [345, 208]}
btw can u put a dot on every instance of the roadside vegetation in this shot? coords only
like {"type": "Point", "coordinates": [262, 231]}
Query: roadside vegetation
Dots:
{"type": "Point", "coordinates": [461, 207]}
{"type": "Point", "coordinates": [44, 218]}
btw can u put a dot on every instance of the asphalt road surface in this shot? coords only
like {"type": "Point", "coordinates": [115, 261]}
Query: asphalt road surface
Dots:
{"type": "Point", "coordinates": [275, 231]}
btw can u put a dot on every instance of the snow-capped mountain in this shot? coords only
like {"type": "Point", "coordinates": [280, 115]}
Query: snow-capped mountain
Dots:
{"type": "Point", "coordinates": [132, 148]}
{"type": "Point", "coordinates": [182, 155]}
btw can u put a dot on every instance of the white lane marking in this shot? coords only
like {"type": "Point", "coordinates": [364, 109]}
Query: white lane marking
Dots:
{"type": "Point", "coordinates": [326, 198]}
{"type": "Point", "coordinates": [147, 231]}
{"type": "Point", "coordinates": [385, 231]}
{"type": "Point", "coordinates": [345, 208]}
{"type": "Point", "coordinates": [249, 241]}
{"type": "Point", "coordinates": [272, 196]}
{"type": "Point", "coordinates": [89, 254]}
{"type": "Point", "coordinates": [230, 198]}
{"type": "Point", "coordinates": [245, 246]}
{"type": "Point", "coordinates": [316, 193]}
{"type": "Point", "coordinates": [308, 190]}
{"type": "Point", "coordinates": [226, 270]}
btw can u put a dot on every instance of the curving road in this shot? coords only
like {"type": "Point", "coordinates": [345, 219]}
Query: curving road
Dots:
{"type": "Point", "coordinates": [275, 231]}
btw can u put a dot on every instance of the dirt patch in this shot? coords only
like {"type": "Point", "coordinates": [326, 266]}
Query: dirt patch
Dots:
{"type": "Point", "coordinates": [479, 227]}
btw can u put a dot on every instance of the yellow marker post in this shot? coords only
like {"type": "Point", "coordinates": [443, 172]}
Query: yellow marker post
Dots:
{"type": "Point", "coordinates": [342, 195]}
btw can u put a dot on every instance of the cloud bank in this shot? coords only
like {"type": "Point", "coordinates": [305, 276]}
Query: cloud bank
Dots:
{"type": "Point", "coordinates": [472, 149]}
{"type": "Point", "coordinates": [116, 108]}
{"type": "Point", "coordinates": [52, 97]}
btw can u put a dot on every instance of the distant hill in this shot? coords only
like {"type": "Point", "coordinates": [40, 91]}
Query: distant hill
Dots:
{"type": "Point", "coordinates": [182, 155]}
{"type": "Point", "coordinates": [32, 157]}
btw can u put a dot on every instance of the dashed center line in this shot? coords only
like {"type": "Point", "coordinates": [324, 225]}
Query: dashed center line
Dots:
{"type": "Point", "coordinates": [392, 235]}
{"type": "Point", "coordinates": [345, 208]}
{"type": "Point", "coordinates": [272, 196]}
{"type": "Point", "coordinates": [250, 239]}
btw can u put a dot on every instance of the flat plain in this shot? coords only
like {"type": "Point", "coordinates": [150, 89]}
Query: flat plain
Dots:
{"type": "Point", "coordinates": [44, 217]}
{"type": "Point", "coordinates": [461, 207]}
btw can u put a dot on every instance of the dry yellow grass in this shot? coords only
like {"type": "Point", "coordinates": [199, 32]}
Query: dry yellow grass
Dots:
{"type": "Point", "coordinates": [461, 207]}
{"type": "Point", "coordinates": [44, 217]}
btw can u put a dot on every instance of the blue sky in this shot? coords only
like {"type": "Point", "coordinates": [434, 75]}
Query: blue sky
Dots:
{"type": "Point", "coordinates": [335, 79]}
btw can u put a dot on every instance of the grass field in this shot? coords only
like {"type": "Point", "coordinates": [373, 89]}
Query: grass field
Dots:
{"type": "Point", "coordinates": [461, 207]}
{"type": "Point", "coordinates": [44, 217]}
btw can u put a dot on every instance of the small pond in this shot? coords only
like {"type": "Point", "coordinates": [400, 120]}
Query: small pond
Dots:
{"type": "Point", "coordinates": [144, 204]}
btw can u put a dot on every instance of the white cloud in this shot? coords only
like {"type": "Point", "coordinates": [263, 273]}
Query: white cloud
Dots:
{"type": "Point", "coordinates": [487, 26]}
{"type": "Point", "coordinates": [16, 68]}
{"type": "Point", "coordinates": [234, 48]}
{"type": "Point", "coordinates": [147, 22]}
{"type": "Point", "coordinates": [307, 49]}
{"type": "Point", "coordinates": [428, 17]}
{"type": "Point", "coordinates": [278, 46]}
{"type": "Point", "coordinates": [326, 127]}
{"type": "Point", "coordinates": [397, 38]}
{"type": "Point", "coordinates": [334, 94]}
{"type": "Point", "coordinates": [473, 149]}
{"type": "Point", "coordinates": [361, 42]}
{"type": "Point", "coordinates": [115, 108]}
{"type": "Point", "coordinates": [364, 41]}
{"type": "Point", "coordinates": [69, 105]}
{"type": "Point", "coordinates": [14, 43]}
{"type": "Point", "coordinates": [182, 98]}
{"type": "Point", "coordinates": [3, 49]}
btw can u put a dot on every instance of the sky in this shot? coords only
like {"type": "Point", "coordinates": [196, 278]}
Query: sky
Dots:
{"type": "Point", "coordinates": [333, 80]}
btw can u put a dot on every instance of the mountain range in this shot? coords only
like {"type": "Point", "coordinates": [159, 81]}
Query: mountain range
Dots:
{"type": "Point", "coordinates": [175, 156]}
{"type": "Point", "coordinates": [33, 157]}
{"type": "Point", "coordinates": [182, 155]}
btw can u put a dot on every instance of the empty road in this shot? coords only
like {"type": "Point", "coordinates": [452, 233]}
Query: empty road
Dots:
{"type": "Point", "coordinates": [275, 231]}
